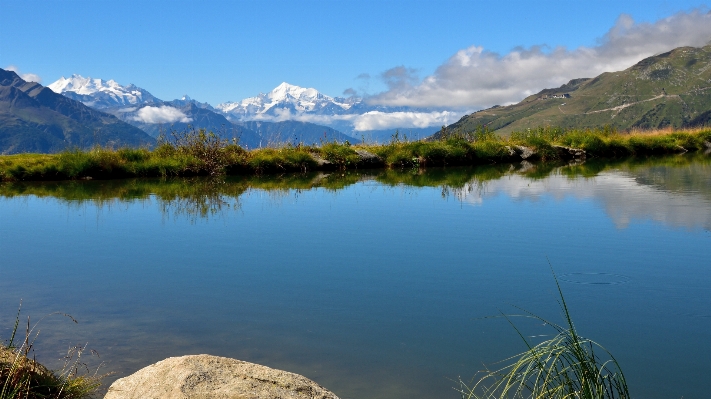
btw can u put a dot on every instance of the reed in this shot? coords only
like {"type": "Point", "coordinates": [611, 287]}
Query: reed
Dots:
{"type": "Point", "coordinates": [566, 366]}
{"type": "Point", "coordinates": [24, 378]}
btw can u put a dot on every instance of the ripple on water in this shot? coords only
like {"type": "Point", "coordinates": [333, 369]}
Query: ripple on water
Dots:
{"type": "Point", "coordinates": [594, 278]}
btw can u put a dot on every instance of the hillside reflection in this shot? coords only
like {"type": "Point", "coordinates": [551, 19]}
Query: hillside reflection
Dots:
{"type": "Point", "coordinates": [675, 191]}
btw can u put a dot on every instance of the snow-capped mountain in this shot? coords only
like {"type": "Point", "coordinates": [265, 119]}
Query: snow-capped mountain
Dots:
{"type": "Point", "coordinates": [353, 116]}
{"type": "Point", "coordinates": [101, 94]}
{"type": "Point", "coordinates": [287, 100]}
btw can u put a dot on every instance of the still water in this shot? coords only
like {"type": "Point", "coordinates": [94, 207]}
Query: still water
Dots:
{"type": "Point", "coordinates": [374, 284]}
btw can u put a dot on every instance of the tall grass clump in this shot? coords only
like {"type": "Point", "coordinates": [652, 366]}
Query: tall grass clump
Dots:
{"type": "Point", "coordinates": [203, 151]}
{"type": "Point", "coordinates": [285, 159]}
{"type": "Point", "coordinates": [341, 155]}
{"type": "Point", "coordinates": [24, 378]}
{"type": "Point", "coordinates": [566, 366]}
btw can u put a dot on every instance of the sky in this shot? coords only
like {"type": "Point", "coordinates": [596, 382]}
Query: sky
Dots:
{"type": "Point", "coordinates": [438, 54]}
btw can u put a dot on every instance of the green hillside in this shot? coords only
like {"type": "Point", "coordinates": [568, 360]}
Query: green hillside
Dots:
{"type": "Point", "coordinates": [667, 90]}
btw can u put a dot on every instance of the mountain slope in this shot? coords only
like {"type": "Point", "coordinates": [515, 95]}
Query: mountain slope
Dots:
{"type": "Point", "coordinates": [33, 118]}
{"type": "Point", "coordinates": [670, 89]}
{"type": "Point", "coordinates": [294, 132]}
{"type": "Point", "coordinates": [181, 115]}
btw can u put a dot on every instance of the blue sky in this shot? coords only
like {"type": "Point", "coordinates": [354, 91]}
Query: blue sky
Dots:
{"type": "Point", "coordinates": [217, 51]}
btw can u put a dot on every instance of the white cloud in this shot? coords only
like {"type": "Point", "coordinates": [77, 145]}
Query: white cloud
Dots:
{"type": "Point", "coordinates": [476, 78]}
{"type": "Point", "coordinates": [376, 120]}
{"type": "Point", "coordinates": [125, 110]}
{"type": "Point", "coordinates": [373, 120]}
{"type": "Point", "coordinates": [162, 114]}
{"type": "Point", "coordinates": [27, 77]}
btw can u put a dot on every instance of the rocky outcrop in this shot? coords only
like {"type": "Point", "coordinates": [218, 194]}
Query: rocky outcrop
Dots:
{"type": "Point", "coordinates": [322, 163]}
{"type": "Point", "coordinates": [369, 159]}
{"type": "Point", "coordinates": [522, 152]}
{"type": "Point", "coordinates": [214, 377]}
{"type": "Point", "coordinates": [569, 153]}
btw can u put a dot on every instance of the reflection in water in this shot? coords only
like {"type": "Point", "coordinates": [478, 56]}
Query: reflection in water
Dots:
{"type": "Point", "coordinates": [675, 195]}
{"type": "Point", "coordinates": [675, 191]}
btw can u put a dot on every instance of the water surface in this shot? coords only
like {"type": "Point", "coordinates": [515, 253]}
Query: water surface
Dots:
{"type": "Point", "coordinates": [374, 284]}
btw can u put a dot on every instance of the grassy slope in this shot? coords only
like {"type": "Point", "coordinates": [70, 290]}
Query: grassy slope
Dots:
{"type": "Point", "coordinates": [670, 89]}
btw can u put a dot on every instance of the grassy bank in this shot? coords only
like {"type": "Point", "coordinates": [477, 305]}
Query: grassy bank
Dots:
{"type": "Point", "coordinates": [22, 377]}
{"type": "Point", "coordinates": [196, 153]}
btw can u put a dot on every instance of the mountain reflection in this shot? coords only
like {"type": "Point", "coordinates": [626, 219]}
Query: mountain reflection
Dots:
{"type": "Point", "coordinates": [675, 191]}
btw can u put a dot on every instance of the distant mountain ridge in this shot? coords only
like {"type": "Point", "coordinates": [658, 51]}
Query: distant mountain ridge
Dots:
{"type": "Point", "coordinates": [284, 103]}
{"type": "Point", "coordinates": [99, 93]}
{"type": "Point", "coordinates": [672, 89]}
{"type": "Point", "coordinates": [141, 109]}
{"type": "Point", "coordinates": [34, 118]}
{"type": "Point", "coordinates": [285, 97]}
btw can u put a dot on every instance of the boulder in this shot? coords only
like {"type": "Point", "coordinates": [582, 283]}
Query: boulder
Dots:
{"type": "Point", "coordinates": [368, 158]}
{"type": "Point", "coordinates": [522, 152]}
{"type": "Point", "coordinates": [322, 163]}
{"type": "Point", "coordinates": [526, 152]}
{"type": "Point", "coordinates": [214, 377]}
{"type": "Point", "coordinates": [569, 152]}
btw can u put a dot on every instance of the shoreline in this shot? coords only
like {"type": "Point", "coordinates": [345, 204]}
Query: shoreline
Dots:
{"type": "Point", "coordinates": [200, 153]}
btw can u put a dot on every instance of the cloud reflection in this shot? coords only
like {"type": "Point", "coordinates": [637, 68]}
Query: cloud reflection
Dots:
{"type": "Point", "coordinates": [625, 195]}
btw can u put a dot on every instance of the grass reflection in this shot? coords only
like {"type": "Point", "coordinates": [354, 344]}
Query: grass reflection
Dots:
{"type": "Point", "coordinates": [203, 197]}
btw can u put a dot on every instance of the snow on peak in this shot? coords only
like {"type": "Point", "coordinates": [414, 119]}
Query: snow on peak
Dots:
{"type": "Point", "coordinates": [284, 90]}
{"type": "Point", "coordinates": [99, 93]}
{"type": "Point", "coordinates": [285, 97]}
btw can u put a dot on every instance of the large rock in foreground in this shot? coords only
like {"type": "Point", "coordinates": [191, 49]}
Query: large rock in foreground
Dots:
{"type": "Point", "coordinates": [205, 376]}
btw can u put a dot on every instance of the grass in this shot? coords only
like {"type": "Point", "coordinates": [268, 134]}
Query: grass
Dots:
{"type": "Point", "coordinates": [24, 378]}
{"type": "Point", "coordinates": [566, 366]}
{"type": "Point", "coordinates": [201, 153]}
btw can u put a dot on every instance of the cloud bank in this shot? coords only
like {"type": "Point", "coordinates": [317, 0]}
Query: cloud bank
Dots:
{"type": "Point", "coordinates": [162, 114]}
{"type": "Point", "coordinates": [476, 78]}
{"type": "Point", "coordinates": [372, 120]}
{"type": "Point", "coordinates": [27, 77]}
{"type": "Point", "coordinates": [376, 120]}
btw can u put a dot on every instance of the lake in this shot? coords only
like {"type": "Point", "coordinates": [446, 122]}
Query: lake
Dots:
{"type": "Point", "coordinates": [375, 284]}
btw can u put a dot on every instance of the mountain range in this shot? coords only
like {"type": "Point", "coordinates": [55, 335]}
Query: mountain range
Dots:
{"type": "Point", "coordinates": [284, 103]}
{"type": "Point", "coordinates": [34, 118]}
{"type": "Point", "coordinates": [141, 109]}
{"type": "Point", "coordinates": [672, 89]}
